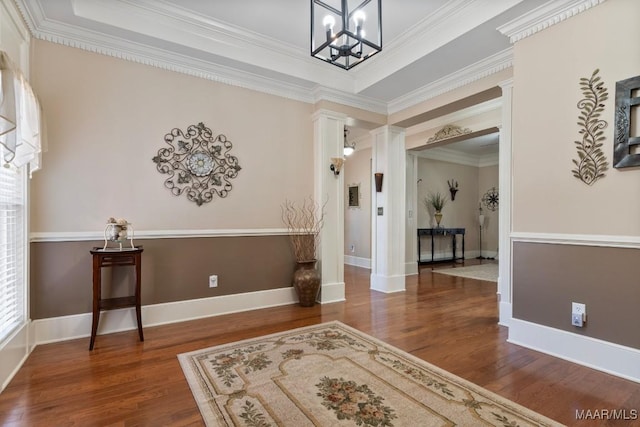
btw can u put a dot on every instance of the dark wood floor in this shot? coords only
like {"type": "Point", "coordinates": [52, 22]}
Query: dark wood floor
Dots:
{"type": "Point", "coordinates": [448, 321]}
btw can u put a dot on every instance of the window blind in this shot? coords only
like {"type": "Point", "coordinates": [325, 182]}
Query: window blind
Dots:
{"type": "Point", "coordinates": [12, 249]}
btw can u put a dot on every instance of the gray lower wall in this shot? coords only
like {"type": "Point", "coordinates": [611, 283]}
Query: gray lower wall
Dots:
{"type": "Point", "coordinates": [172, 270]}
{"type": "Point", "coordinates": [547, 278]}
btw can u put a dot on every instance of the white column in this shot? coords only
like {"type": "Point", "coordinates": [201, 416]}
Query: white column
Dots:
{"type": "Point", "coordinates": [388, 226]}
{"type": "Point", "coordinates": [411, 236]}
{"type": "Point", "coordinates": [504, 207]}
{"type": "Point", "coordinates": [328, 142]}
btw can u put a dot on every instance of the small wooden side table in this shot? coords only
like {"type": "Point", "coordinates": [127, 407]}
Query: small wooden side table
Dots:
{"type": "Point", "coordinates": [111, 258]}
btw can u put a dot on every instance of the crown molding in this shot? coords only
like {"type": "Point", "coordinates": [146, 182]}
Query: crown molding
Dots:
{"type": "Point", "coordinates": [177, 25]}
{"type": "Point", "coordinates": [449, 22]}
{"type": "Point", "coordinates": [452, 156]}
{"type": "Point", "coordinates": [481, 69]}
{"type": "Point", "coordinates": [31, 14]}
{"type": "Point", "coordinates": [542, 17]}
{"type": "Point", "coordinates": [16, 17]}
{"type": "Point", "coordinates": [457, 116]}
{"type": "Point", "coordinates": [66, 35]}
{"type": "Point", "coordinates": [56, 32]}
{"type": "Point", "coordinates": [321, 93]}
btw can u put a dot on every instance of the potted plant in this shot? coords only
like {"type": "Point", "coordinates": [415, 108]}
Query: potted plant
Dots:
{"type": "Point", "coordinates": [304, 222]}
{"type": "Point", "coordinates": [436, 201]}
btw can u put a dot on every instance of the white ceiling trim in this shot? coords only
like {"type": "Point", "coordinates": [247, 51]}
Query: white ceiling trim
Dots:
{"type": "Point", "coordinates": [159, 58]}
{"type": "Point", "coordinates": [176, 25]}
{"type": "Point", "coordinates": [123, 49]}
{"type": "Point", "coordinates": [457, 116]}
{"type": "Point", "coordinates": [56, 32]}
{"type": "Point", "coordinates": [490, 65]}
{"type": "Point", "coordinates": [452, 156]}
{"type": "Point", "coordinates": [446, 24]}
{"type": "Point", "coordinates": [540, 18]}
{"type": "Point", "coordinates": [321, 93]}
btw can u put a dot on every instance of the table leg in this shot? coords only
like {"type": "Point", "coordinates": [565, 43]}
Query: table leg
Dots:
{"type": "Point", "coordinates": [454, 246]}
{"type": "Point", "coordinates": [432, 248]}
{"type": "Point", "coordinates": [138, 295]}
{"type": "Point", "coordinates": [463, 248]}
{"type": "Point", "coordinates": [97, 290]}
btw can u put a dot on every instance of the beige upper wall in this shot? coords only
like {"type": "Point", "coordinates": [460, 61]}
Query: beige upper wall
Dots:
{"type": "Point", "coordinates": [107, 119]}
{"type": "Point", "coordinates": [548, 66]}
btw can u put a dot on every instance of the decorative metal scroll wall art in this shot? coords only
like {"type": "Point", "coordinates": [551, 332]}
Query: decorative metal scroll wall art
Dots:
{"type": "Point", "coordinates": [449, 131]}
{"type": "Point", "coordinates": [197, 163]}
{"type": "Point", "coordinates": [627, 103]}
{"type": "Point", "coordinates": [591, 163]}
{"type": "Point", "coordinates": [490, 199]}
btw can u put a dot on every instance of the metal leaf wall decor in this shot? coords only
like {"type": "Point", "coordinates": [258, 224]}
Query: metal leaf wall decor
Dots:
{"type": "Point", "coordinates": [591, 163]}
{"type": "Point", "coordinates": [197, 163]}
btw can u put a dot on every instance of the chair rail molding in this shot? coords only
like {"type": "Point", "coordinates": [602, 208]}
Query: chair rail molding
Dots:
{"type": "Point", "coordinates": [77, 236]}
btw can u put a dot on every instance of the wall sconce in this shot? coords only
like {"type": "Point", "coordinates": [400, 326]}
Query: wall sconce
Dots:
{"type": "Point", "coordinates": [453, 188]}
{"type": "Point", "coordinates": [336, 165]}
{"type": "Point", "coordinates": [378, 178]}
{"type": "Point", "coordinates": [348, 148]}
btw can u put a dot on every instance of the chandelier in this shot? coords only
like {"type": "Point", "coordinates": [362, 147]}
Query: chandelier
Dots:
{"type": "Point", "coordinates": [339, 31]}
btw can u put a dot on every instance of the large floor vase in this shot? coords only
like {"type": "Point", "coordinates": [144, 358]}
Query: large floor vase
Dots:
{"type": "Point", "coordinates": [306, 281]}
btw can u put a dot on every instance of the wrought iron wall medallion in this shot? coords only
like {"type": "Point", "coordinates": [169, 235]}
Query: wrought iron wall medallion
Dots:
{"type": "Point", "coordinates": [627, 102]}
{"type": "Point", "coordinates": [490, 199]}
{"type": "Point", "coordinates": [197, 163]}
{"type": "Point", "coordinates": [592, 163]}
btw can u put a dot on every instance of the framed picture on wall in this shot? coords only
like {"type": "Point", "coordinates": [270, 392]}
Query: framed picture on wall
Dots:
{"type": "Point", "coordinates": [354, 195]}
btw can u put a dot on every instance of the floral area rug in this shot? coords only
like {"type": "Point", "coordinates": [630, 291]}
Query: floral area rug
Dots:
{"type": "Point", "coordinates": [488, 272]}
{"type": "Point", "coordinates": [333, 375]}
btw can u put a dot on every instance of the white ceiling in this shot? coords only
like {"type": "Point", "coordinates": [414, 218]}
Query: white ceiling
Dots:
{"type": "Point", "coordinates": [265, 45]}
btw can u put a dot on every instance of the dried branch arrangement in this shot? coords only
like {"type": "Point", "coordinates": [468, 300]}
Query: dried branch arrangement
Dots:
{"type": "Point", "coordinates": [304, 222]}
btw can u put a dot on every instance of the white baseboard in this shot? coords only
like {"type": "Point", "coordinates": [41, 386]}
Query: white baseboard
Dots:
{"type": "Point", "coordinates": [601, 355]}
{"type": "Point", "coordinates": [13, 354]}
{"type": "Point", "coordinates": [79, 325]}
{"type": "Point", "coordinates": [506, 311]}
{"type": "Point", "coordinates": [332, 292]}
{"type": "Point", "coordinates": [388, 284]}
{"type": "Point", "coordinates": [357, 261]}
{"type": "Point", "coordinates": [411, 268]}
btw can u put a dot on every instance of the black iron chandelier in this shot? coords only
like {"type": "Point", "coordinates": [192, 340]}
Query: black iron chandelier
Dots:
{"type": "Point", "coordinates": [346, 32]}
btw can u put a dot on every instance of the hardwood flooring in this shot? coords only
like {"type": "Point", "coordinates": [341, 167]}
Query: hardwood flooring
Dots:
{"type": "Point", "coordinates": [448, 321]}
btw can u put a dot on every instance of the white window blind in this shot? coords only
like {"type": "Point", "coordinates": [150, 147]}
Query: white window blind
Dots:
{"type": "Point", "coordinates": [12, 249]}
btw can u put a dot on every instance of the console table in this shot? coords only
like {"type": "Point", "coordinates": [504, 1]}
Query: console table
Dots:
{"type": "Point", "coordinates": [112, 258]}
{"type": "Point", "coordinates": [453, 232]}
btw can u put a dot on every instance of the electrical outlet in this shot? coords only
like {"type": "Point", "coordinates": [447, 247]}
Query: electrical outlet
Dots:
{"type": "Point", "coordinates": [576, 320]}
{"type": "Point", "coordinates": [213, 281]}
{"type": "Point", "coordinates": [578, 314]}
{"type": "Point", "coordinates": [579, 308]}
{"type": "Point", "coordinates": [352, 248]}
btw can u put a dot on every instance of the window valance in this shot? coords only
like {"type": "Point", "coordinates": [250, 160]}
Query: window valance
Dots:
{"type": "Point", "coordinates": [21, 133]}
